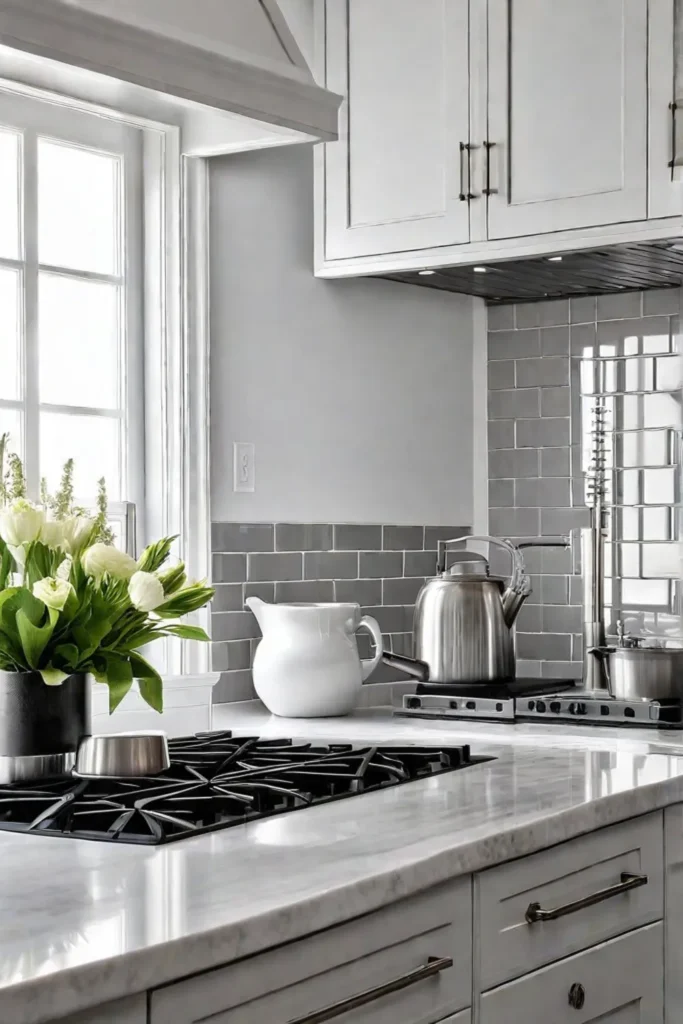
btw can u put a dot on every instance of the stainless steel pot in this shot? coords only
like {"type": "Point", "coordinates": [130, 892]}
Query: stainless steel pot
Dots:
{"type": "Point", "coordinates": [122, 755]}
{"type": "Point", "coordinates": [642, 672]}
{"type": "Point", "coordinates": [40, 726]}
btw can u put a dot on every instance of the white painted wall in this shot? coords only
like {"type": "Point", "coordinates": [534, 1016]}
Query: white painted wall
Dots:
{"type": "Point", "coordinates": [358, 394]}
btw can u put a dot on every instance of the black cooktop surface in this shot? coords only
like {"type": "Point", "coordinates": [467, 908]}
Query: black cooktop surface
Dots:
{"type": "Point", "coordinates": [520, 687]}
{"type": "Point", "coordinates": [216, 781]}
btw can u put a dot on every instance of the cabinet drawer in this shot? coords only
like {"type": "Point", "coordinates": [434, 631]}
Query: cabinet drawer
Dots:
{"type": "Point", "coordinates": [294, 981]}
{"type": "Point", "coordinates": [560, 876]}
{"type": "Point", "coordinates": [619, 982]}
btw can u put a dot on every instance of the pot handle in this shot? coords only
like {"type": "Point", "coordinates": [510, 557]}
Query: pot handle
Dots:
{"type": "Point", "coordinates": [368, 665]}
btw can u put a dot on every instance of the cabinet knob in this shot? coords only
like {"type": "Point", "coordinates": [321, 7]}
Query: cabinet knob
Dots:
{"type": "Point", "coordinates": [577, 996]}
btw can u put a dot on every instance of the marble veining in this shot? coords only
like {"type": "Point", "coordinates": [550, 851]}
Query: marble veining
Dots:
{"type": "Point", "coordinates": [85, 922]}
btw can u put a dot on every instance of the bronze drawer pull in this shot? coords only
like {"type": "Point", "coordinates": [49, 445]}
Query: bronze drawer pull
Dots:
{"type": "Point", "coordinates": [434, 965]}
{"type": "Point", "coordinates": [628, 881]}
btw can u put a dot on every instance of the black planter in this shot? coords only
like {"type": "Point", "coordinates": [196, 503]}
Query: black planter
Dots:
{"type": "Point", "coordinates": [40, 726]}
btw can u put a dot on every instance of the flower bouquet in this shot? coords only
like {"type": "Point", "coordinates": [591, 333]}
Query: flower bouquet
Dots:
{"type": "Point", "coordinates": [71, 603]}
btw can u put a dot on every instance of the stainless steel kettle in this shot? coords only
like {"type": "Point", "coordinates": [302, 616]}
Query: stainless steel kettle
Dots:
{"type": "Point", "coordinates": [464, 617]}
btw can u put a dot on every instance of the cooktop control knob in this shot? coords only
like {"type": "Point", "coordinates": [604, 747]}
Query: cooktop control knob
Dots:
{"type": "Point", "coordinates": [577, 707]}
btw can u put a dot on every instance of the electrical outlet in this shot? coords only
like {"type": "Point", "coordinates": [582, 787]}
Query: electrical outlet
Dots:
{"type": "Point", "coordinates": [243, 466]}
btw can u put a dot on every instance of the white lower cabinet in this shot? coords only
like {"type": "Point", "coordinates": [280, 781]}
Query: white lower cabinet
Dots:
{"type": "Point", "coordinates": [131, 1010]}
{"type": "Point", "coordinates": [618, 982]}
{"type": "Point", "coordinates": [410, 963]}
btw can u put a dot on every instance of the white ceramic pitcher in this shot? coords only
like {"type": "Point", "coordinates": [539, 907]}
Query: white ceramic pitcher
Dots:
{"type": "Point", "coordinates": [307, 665]}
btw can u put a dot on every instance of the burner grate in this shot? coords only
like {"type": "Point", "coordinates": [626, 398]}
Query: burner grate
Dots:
{"type": "Point", "coordinates": [216, 781]}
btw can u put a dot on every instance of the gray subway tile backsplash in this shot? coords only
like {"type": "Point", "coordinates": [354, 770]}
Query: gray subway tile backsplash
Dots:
{"type": "Point", "coordinates": [420, 563]}
{"type": "Point", "coordinates": [304, 590]}
{"type": "Point", "coordinates": [353, 537]}
{"type": "Point", "coordinates": [549, 371]}
{"type": "Point", "coordinates": [509, 463]}
{"type": "Point", "coordinates": [543, 433]}
{"type": "Point", "coordinates": [583, 310]}
{"type": "Point", "coordinates": [514, 404]}
{"type": "Point", "coordinates": [362, 592]}
{"type": "Point", "coordinates": [331, 565]}
{"type": "Point", "coordinates": [403, 538]}
{"type": "Point", "coordinates": [303, 536]}
{"type": "Point", "coordinates": [229, 568]}
{"type": "Point", "coordinates": [619, 307]}
{"type": "Point", "coordinates": [555, 341]}
{"type": "Point", "coordinates": [501, 434]}
{"type": "Point", "coordinates": [514, 344]}
{"type": "Point", "coordinates": [381, 567]}
{"type": "Point", "coordinates": [536, 482]}
{"type": "Point", "coordinates": [242, 537]}
{"type": "Point", "coordinates": [555, 401]}
{"type": "Point", "coordinates": [501, 374]}
{"type": "Point", "coordinates": [380, 564]}
{"type": "Point", "coordinates": [277, 566]}
{"type": "Point", "coordinates": [401, 591]}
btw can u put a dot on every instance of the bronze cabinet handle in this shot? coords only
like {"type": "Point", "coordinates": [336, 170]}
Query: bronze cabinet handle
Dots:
{"type": "Point", "coordinates": [434, 965]}
{"type": "Point", "coordinates": [488, 191]}
{"type": "Point", "coordinates": [673, 107]}
{"type": "Point", "coordinates": [577, 996]}
{"type": "Point", "coordinates": [464, 196]}
{"type": "Point", "coordinates": [534, 912]}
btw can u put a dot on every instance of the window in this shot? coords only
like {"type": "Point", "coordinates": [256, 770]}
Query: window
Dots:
{"type": "Point", "coordinates": [71, 310]}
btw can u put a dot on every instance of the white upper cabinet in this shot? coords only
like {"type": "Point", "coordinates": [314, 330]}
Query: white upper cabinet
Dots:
{"type": "Point", "coordinates": [476, 129]}
{"type": "Point", "coordinates": [567, 103]}
{"type": "Point", "coordinates": [394, 180]}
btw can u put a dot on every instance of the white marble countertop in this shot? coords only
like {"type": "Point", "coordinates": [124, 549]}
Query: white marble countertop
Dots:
{"type": "Point", "coordinates": [85, 922]}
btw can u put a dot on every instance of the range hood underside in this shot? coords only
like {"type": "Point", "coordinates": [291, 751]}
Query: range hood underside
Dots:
{"type": "Point", "coordinates": [629, 267]}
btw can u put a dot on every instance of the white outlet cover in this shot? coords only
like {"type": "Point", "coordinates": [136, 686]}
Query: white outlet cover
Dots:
{"type": "Point", "coordinates": [244, 471]}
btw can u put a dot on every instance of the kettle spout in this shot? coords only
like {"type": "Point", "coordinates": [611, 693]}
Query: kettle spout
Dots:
{"type": "Point", "coordinates": [513, 598]}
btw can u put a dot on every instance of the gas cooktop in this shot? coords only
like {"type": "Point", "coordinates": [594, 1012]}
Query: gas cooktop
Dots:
{"type": "Point", "coordinates": [537, 700]}
{"type": "Point", "coordinates": [216, 781]}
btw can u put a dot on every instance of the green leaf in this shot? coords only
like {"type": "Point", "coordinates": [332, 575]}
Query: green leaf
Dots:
{"type": "Point", "coordinates": [119, 678]}
{"type": "Point", "coordinates": [149, 682]}
{"type": "Point", "coordinates": [6, 564]}
{"type": "Point", "coordinates": [34, 639]}
{"type": "Point", "coordinates": [187, 632]}
{"type": "Point", "coordinates": [69, 654]}
{"type": "Point", "coordinates": [41, 561]}
{"type": "Point", "coordinates": [53, 676]}
{"type": "Point", "coordinates": [173, 579]}
{"type": "Point", "coordinates": [185, 601]}
{"type": "Point", "coordinates": [154, 556]}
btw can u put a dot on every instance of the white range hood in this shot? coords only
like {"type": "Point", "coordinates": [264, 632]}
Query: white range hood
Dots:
{"type": "Point", "coordinates": [238, 56]}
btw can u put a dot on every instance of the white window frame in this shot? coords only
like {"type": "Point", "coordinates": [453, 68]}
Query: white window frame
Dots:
{"type": "Point", "coordinates": [176, 344]}
{"type": "Point", "coordinates": [33, 119]}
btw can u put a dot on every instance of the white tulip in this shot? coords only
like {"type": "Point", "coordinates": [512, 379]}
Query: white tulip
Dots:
{"type": "Point", "coordinates": [52, 592]}
{"type": "Point", "coordinates": [146, 591]}
{"type": "Point", "coordinates": [22, 523]}
{"type": "Point", "coordinates": [101, 558]}
{"type": "Point", "coordinates": [64, 568]}
{"type": "Point", "coordinates": [77, 531]}
{"type": "Point", "coordinates": [52, 534]}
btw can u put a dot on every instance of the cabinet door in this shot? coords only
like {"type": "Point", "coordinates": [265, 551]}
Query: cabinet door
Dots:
{"type": "Point", "coordinates": [665, 82]}
{"type": "Point", "coordinates": [620, 982]}
{"type": "Point", "coordinates": [393, 180]}
{"type": "Point", "coordinates": [567, 114]}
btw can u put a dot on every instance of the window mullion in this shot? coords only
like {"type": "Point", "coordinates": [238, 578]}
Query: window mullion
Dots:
{"type": "Point", "coordinates": [30, 332]}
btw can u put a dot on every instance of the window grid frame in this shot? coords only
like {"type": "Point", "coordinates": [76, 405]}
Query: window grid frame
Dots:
{"type": "Point", "coordinates": [85, 131]}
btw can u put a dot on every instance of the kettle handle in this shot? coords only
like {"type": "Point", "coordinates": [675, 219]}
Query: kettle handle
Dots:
{"type": "Point", "coordinates": [518, 577]}
{"type": "Point", "coordinates": [368, 665]}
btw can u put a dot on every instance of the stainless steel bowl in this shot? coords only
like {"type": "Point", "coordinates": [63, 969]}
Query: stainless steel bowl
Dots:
{"type": "Point", "coordinates": [122, 755]}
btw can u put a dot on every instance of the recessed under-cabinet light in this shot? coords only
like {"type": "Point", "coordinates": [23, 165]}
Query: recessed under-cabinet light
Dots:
{"type": "Point", "coordinates": [426, 273]}
{"type": "Point", "coordinates": [554, 259]}
{"type": "Point", "coordinates": [479, 270]}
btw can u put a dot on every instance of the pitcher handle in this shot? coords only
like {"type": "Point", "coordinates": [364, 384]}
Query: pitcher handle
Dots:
{"type": "Point", "coordinates": [368, 665]}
